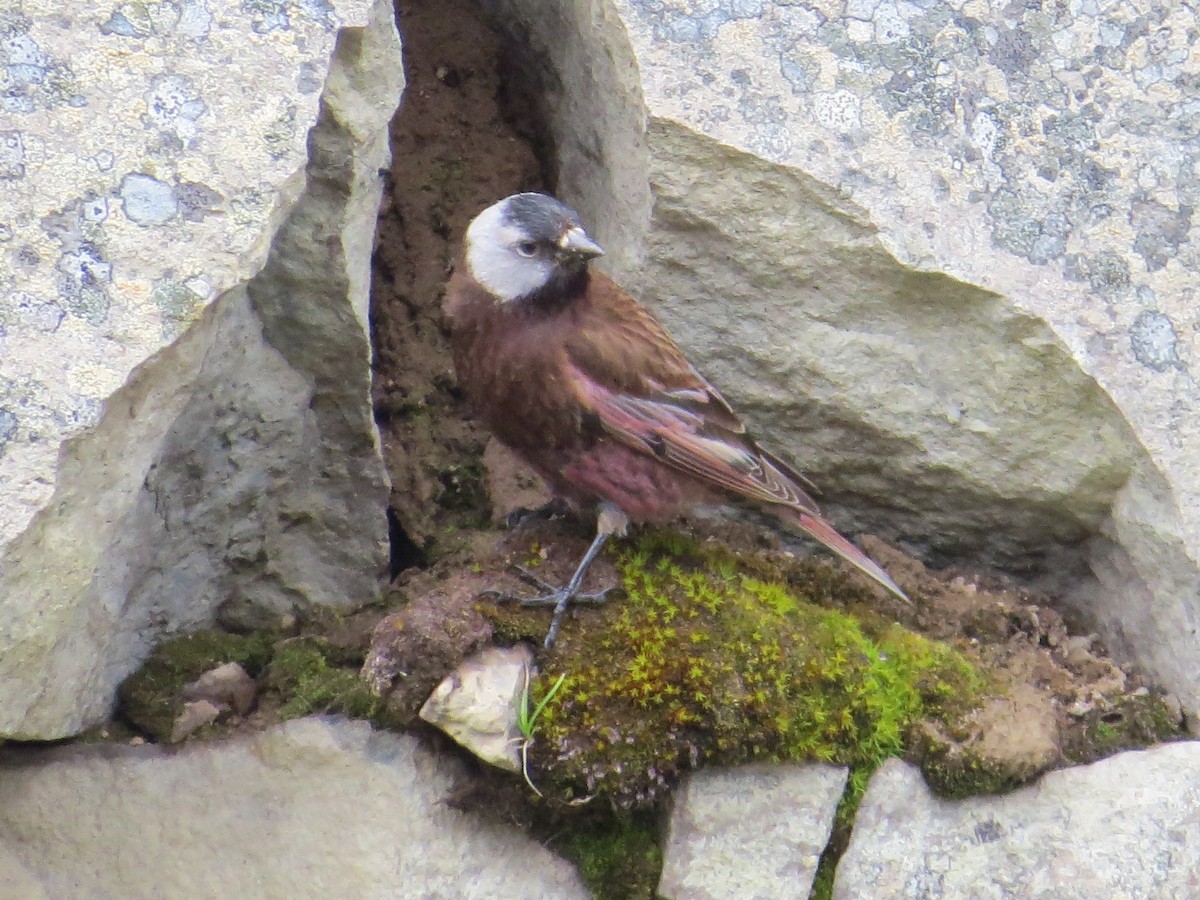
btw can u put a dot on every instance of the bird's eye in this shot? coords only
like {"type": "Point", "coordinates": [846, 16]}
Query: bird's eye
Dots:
{"type": "Point", "coordinates": [527, 249]}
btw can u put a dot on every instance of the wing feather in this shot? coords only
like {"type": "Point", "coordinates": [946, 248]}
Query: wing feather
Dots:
{"type": "Point", "coordinates": [677, 431]}
{"type": "Point", "coordinates": [629, 373]}
{"type": "Point", "coordinates": [629, 376]}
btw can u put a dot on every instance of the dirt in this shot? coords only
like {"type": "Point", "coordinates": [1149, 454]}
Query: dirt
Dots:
{"type": "Point", "coordinates": [453, 154]}
{"type": "Point", "coordinates": [1066, 697]}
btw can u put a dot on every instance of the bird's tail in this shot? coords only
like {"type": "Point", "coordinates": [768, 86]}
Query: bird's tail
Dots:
{"type": "Point", "coordinates": [818, 528]}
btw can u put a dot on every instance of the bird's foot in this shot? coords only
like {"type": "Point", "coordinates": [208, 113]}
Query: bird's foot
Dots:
{"type": "Point", "coordinates": [551, 595]}
{"type": "Point", "coordinates": [523, 515]}
{"type": "Point", "coordinates": [559, 598]}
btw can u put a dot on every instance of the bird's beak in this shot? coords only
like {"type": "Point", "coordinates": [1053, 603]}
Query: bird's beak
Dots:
{"type": "Point", "coordinates": [576, 243]}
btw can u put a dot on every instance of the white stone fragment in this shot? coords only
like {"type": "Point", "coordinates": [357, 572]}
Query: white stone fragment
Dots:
{"type": "Point", "coordinates": [476, 704]}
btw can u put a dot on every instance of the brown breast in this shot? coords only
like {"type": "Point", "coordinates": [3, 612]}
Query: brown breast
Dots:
{"type": "Point", "coordinates": [510, 360]}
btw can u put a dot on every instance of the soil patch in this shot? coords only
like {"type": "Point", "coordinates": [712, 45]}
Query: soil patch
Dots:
{"type": "Point", "coordinates": [453, 153]}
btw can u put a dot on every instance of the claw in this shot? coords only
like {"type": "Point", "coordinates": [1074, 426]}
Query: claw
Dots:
{"type": "Point", "coordinates": [531, 579]}
{"type": "Point", "coordinates": [611, 520]}
{"type": "Point", "coordinates": [554, 598]}
{"type": "Point", "coordinates": [559, 599]}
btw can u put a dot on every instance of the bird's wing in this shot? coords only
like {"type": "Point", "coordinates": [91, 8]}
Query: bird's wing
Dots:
{"type": "Point", "coordinates": [675, 427]}
{"type": "Point", "coordinates": [628, 372]}
{"type": "Point", "coordinates": [629, 375]}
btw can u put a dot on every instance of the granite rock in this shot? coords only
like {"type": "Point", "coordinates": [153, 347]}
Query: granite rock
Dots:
{"type": "Point", "coordinates": [1125, 828]}
{"type": "Point", "coordinates": [941, 254]}
{"type": "Point", "coordinates": [16, 881]}
{"type": "Point", "coordinates": [184, 366]}
{"type": "Point", "coordinates": [754, 831]}
{"type": "Point", "coordinates": [312, 808]}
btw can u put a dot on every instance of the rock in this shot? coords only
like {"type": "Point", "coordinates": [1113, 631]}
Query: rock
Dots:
{"type": "Point", "coordinates": [477, 704]}
{"type": "Point", "coordinates": [753, 831]}
{"type": "Point", "coordinates": [317, 806]}
{"type": "Point", "coordinates": [16, 881]}
{"type": "Point", "coordinates": [1007, 742]}
{"type": "Point", "coordinates": [152, 698]}
{"type": "Point", "coordinates": [946, 265]}
{"type": "Point", "coordinates": [185, 366]}
{"type": "Point", "coordinates": [227, 685]}
{"type": "Point", "coordinates": [1122, 827]}
{"type": "Point", "coordinates": [1021, 729]}
{"type": "Point", "coordinates": [413, 650]}
{"type": "Point", "coordinates": [195, 715]}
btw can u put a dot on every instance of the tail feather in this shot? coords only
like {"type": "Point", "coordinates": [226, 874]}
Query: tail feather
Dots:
{"type": "Point", "coordinates": [818, 528]}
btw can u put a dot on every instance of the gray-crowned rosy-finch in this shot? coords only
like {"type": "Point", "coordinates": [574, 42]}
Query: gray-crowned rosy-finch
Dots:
{"type": "Point", "coordinates": [588, 388]}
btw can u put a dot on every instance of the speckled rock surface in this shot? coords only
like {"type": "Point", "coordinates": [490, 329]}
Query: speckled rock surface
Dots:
{"type": "Point", "coordinates": [312, 808]}
{"type": "Point", "coordinates": [188, 203]}
{"type": "Point", "coordinates": [753, 831]}
{"type": "Point", "coordinates": [16, 881]}
{"type": "Point", "coordinates": [939, 251]}
{"type": "Point", "coordinates": [1125, 828]}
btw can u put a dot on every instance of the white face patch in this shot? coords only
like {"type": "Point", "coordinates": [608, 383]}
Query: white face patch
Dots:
{"type": "Point", "coordinates": [494, 262]}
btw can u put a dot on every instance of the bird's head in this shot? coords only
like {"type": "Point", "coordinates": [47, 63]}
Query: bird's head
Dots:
{"type": "Point", "coordinates": [527, 244]}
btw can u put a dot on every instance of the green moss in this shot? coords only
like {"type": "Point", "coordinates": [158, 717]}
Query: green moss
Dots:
{"type": "Point", "coordinates": [151, 699]}
{"type": "Point", "coordinates": [618, 858]}
{"type": "Point", "coordinates": [1140, 720]}
{"type": "Point", "coordinates": [839, 838]}
{"type": "Point", "coordinates": [304, 674]}
{"type": "Point", "coordinates": [954, 771]}
{"type": "Point", "coordinates": [715, 658]}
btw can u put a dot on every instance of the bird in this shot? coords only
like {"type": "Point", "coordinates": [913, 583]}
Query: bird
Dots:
{"type": "Point", "coordinates": [587, 387]}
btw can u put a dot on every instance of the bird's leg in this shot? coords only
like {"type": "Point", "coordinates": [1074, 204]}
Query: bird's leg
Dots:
{"type": "Point", "coordinates": [563, 597]}
{"type": "Point", "coordinates": [610, 521]}
{"type": "Point", "coordinates": [548, 510]}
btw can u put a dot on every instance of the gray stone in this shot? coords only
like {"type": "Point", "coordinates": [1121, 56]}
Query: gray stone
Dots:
{"type": "Point", "coordinates": [194, 715]}
{"type": "Point", "coordinates": [942, 257]}
{"type": "Point", "coordinates": [1125, 828]}
{"type": "Point", "coordinates": [16, 881]}
{"type": "Point", "coordinates": [756, 831]}
{"type": "Point", "coordinates": [476, 704]}
{"type": "Point", "coordinates": [226, 685]}
{"type": "Point", "coordinates": [313, 808]}
{"type": "Point", "coordinates": [195, 433]}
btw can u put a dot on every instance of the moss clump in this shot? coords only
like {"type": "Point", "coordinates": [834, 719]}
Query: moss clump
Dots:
{"type": "Point", "coordinates": [955, 771]}
{"type": "Point", "coordinates": [304, 673]}
{"type": "Point", "coordinates": [708, 660]}
{"type": "Point", "coordinates": [1137, 721]}
{"type": "Point", "coordinates": [618, 857]}
{"type": "Point", "coordinates": [152, 698]}
{"type": "Point", "coordinates": [843, 824]}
